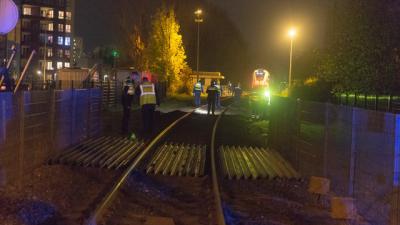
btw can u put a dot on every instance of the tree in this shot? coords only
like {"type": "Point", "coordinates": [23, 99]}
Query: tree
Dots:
{"type": "Point", "coordinates": [360, 57]}
{"type": "Point", "coordinates": [136, 50]}
{"type": "Point", "coordinates": [132, 31]}
{"type": "Point", "coordinates": [165, 51]}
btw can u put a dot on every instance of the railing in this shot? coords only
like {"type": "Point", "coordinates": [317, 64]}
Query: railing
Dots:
{"type": "Point", "coordinates": [357, 149]}
{"type": "Point", "coordinates": [386, 103]}
{"type": "Point", "coordinates": [36, 124]}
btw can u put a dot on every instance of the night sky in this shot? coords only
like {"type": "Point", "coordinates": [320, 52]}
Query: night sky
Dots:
{"type": "Point", "coordinates": [262, 24]}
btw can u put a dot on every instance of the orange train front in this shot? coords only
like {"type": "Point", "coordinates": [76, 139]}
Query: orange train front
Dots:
{"type": "Point", "coordinates": [260, 79]}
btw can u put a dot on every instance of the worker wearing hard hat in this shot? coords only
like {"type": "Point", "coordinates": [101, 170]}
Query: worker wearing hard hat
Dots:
{"type": "Point", "coordinates": [148, 99]}
{"type": "Point", "coordinates": [197, 90]}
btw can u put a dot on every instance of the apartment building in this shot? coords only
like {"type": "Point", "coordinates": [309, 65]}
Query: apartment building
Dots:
{"type": "Point", "coordinates": [44, 26]}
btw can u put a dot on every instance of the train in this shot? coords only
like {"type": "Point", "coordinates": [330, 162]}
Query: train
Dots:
{"type": "Point", "coordinates": [261, 84]}
{"type": "Point", "coordinates": [260, 79]}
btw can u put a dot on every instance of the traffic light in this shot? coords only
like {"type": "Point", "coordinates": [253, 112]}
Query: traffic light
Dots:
{"type": "Point", "coordinates": [115, 54]}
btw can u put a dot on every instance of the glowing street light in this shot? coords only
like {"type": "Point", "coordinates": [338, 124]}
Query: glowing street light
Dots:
{"type": "Point", "coordinates": [198, 20]}
{"type": "Point", "coordinates": [292, 34]}
{"type": "Point", "coordinates": [39, 72]}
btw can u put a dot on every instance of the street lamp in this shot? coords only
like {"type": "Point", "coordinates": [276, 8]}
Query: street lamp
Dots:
{"type": "Point", "coordinates": [292, 34]}
{"type": "Point", "coordinates": [198, 20]}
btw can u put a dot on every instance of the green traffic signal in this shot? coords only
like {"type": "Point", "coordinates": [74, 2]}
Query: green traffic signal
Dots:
{"type": "Point", "coordinates": [115, 53]}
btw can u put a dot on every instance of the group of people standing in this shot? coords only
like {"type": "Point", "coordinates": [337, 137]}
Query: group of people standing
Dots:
{"type": "Point", "coordinates": [146, 94]}
{"type": "Point", "coordinates": [214, 93]}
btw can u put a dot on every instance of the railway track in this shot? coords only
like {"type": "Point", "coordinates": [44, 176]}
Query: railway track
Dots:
{"type": "Point", "coordinates": [163, 183]}
{"type": "Point", "coordinates": [188, 174]}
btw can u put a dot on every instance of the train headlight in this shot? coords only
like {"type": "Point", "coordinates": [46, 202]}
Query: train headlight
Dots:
{"type": "Point", "coordinates": [267, 94]}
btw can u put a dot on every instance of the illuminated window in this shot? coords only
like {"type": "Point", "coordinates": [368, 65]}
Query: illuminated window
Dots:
{"type": "Point", "coordinates": [60, 15]}
{"type": "Point", "coordinates": [50, 27]}
{"type": "Point", "coordinates": [49, 52]}
{"type": "Point", "coordinates": [47, 12]}
{"type": "Point", "coordinates": [50, 39]}
{"type": "Point", "coordinates": [68, 15]}
{"type": "Point", "coordinates": [60, 40]}
{"type": "Point", "coordinates": [50, 14]}
{"type": "Point", "coordinates": [67, 65]}
{"type": "Point", "coordinates": [27, 10]}
{"type": "Point", "coordinates": [68, 28]}
{"type": "Point", "coordinates": [67, 41]}
{"type": "Point", "coordinates": [61, 27]}
{"type": "Point", "coordinates": [59, 65]}
{"type": "Point", "coordinates": [49, 65]}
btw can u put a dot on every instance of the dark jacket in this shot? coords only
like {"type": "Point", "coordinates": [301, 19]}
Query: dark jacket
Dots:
{"type": "Point", "coordinates": [212, 92]}
{"type": "Point", "coordinates": [127, 98]}
{"type": "Point", "coordinates": [6, 81]}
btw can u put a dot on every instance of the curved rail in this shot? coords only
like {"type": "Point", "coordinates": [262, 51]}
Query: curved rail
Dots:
{"type": "Point", "coordinates": [105, 203]}
{"type": "Point", "coordinates": [215, 184]}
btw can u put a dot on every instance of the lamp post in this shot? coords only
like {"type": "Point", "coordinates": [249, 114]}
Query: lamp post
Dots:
{"type": "Point", "coordinates": [198, 20]}
{"type": "Point", "coordinates": [46, 28]}
{"type": "Point", "coordinates": [292, 34]}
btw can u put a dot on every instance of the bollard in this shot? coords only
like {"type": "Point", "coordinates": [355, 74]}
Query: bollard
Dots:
{"type": "Point", "coordinates": [319, 185]}
{"type": "Point", "coordinates": [343, 208]}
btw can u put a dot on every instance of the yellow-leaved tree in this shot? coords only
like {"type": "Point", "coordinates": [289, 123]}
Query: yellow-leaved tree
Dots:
{"type": "Point", "coordinates": [165, 51]}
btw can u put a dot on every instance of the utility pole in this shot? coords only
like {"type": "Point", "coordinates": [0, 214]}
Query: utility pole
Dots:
{"type": "Point", "coordinates": [198, 20]}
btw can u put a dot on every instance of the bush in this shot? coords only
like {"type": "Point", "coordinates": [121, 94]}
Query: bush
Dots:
{"type": "Point", "coordinates": [313, 89]}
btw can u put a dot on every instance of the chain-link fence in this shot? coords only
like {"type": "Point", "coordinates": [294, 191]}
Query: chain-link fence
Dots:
{"type": "Point", "coordinates": [357, 149]}
{"type": "Point", "coordinates": [36, 124]}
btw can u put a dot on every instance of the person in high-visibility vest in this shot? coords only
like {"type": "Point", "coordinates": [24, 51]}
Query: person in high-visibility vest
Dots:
{"type": "Point", "coordinates": [128, 93]}
{"type": "Point", "coordinates": [197, 90]}
{"type": "Point", "coordinates": [148, 99]}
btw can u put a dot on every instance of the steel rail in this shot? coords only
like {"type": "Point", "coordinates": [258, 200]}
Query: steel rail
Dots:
{"type": "Point", "coordinates": [215, 184]}
{"type": "Point", "coordinates": [105, 203]}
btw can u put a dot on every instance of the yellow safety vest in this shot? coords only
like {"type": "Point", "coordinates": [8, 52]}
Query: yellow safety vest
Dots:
{"type": "Point", "coordinates": [219, 88]}
{"type": "Point", "coordinates": [148, 94]}
{"type": "Point", "coordinates": [197, 87]}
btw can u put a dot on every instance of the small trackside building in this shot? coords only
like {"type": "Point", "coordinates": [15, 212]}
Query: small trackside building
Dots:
{"type": "Point", "coordinates": [206, 77]}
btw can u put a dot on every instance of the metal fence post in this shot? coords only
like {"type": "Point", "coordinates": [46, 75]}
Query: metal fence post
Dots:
{"type": "Point", "coordinates": [395, 204]}
{"type": "Point", "coordinates": [52, 118]}
{"type": "Point", "coordinates": [297, 133]}
{"type": "Point", "coordinates": [353, 154]}
{"type": "Point", "coordinates": [355, 99]}
{"type": "Point", "coordinates": [21, 138]}
{"type": "Point", "coordinates": [365, 101]}
{"type": "Point", "coordinates": [3, 120]}
{"type": "Point", "coordinates": [326, 138]}
{"type": "Point", "coordinates": [73, 116]}
{"type": "Point", "coordinates": [89, 114]}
